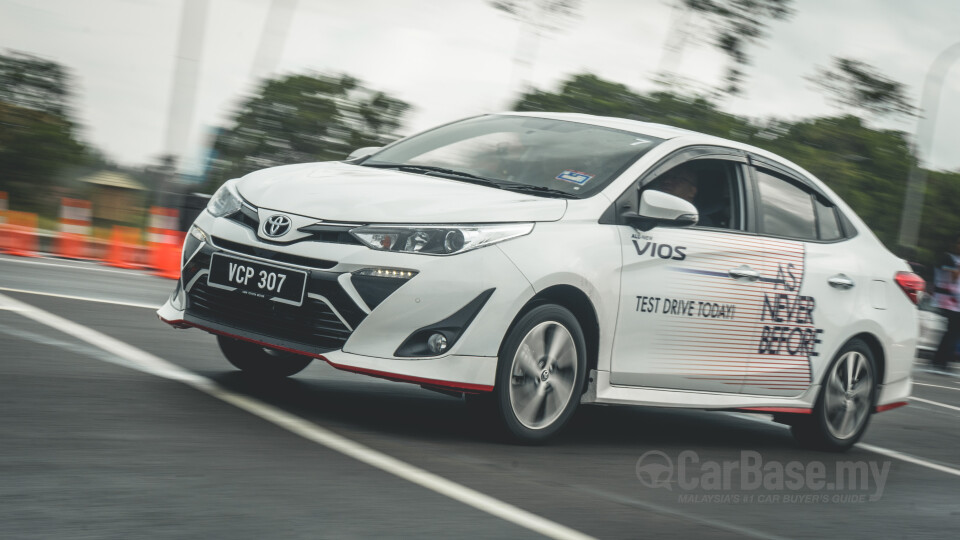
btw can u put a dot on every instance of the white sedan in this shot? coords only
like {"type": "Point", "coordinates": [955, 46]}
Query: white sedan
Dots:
{"type": "Point", "coordinates": [536, 261]}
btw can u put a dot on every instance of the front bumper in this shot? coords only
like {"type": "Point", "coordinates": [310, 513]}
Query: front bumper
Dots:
{"type": "Point", "coordinates": [336, 325]}
{"type": "Point", "coordinates": [470, 374]}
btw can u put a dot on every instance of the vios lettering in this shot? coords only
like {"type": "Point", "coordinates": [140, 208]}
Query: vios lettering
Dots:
{"type": "Point", "coordinates": [664, 251]}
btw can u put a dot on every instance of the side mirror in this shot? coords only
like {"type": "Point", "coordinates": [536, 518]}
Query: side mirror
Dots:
{"type": "Point", "coordinates": [363, 152]}
{"type": "Point", "coordinates": [659, 208]}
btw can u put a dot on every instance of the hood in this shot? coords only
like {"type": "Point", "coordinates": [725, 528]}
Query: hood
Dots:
{"type": "Point", "coordinates": [335, 191]}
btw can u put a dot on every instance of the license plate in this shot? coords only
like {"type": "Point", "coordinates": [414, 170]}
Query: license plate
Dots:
{"type": "Point", "coordinates": [257, 279]}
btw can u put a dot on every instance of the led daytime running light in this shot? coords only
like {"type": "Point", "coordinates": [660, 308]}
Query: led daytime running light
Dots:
{"type": "Point", "coordinates": [386, 273]}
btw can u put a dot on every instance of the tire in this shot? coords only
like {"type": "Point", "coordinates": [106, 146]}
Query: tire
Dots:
{"type": "Point", "coordinates": [845, 404]}
{"type": "Point", "coordinates": [261, 361]}
{"type": "Point", "coordinates": [540, 374]}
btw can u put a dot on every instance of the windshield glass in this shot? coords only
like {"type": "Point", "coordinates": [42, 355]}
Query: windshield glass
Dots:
{"type": "Point", "coordinates": [523, 153]}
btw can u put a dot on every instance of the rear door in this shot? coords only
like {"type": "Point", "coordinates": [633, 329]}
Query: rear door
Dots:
{"type": "Point", "coordinates": [811, 285]}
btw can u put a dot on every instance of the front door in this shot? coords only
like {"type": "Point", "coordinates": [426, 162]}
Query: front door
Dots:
{"type": "Point", "coordinates": [690, 303]}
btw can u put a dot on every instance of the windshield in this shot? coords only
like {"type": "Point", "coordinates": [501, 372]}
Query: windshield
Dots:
{"type": "Point", "coordinates": [521, 153]}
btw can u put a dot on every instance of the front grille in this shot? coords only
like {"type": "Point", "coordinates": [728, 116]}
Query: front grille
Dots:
{"type": "Point", "coordinates": [327, 232]}
{"type": "Point", "coordinates": [313, 323]}
{"type": "Point", "coordinates": [319, 232]}
{"type": "Point", "coordinates": [269, 254]}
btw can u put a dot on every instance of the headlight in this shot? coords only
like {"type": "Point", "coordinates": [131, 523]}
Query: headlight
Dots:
{"type": "Point", "coordinates": [225, 201]}
{"type": "Point", "coordinates": [437, 239]}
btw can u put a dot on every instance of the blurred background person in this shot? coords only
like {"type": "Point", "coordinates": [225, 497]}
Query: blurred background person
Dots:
{"type": "Point", "coordinates": [947, 296]}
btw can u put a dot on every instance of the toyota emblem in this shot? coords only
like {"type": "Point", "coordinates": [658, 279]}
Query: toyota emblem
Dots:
{"type": "Point", "coordinates": [276, 226]}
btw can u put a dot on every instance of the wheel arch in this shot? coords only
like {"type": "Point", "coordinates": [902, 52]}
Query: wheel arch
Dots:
{"type": "Point", "coordinates": [875, 346]}
{"type": "Point", "coordinates": [577, 301]}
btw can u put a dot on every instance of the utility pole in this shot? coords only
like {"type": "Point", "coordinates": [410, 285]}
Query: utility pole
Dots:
{"type": "Point", "coordinates": [183, 90]}
{"type": "Point", "coordinates": [922, 142]}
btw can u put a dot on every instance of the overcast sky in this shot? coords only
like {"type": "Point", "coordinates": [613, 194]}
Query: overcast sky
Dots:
{"type": "Point", "coordinates": [454, 58]}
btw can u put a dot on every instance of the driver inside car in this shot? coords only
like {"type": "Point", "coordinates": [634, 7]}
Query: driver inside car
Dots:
{"type": "Point", "coordinates": [684, 182]}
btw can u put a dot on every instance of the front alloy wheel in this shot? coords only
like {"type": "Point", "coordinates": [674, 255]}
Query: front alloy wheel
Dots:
{"type": "Point", "coordinates": [541, 373]}
{"type": "Point", "coordinates": [845, 403]}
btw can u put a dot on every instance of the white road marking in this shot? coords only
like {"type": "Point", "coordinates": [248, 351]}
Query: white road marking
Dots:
{"type": "Point", "coordinates": [154, 365]}
{"type": "Point", "coordinates": [938, 372]}
{"type": "Point", "coordinates": [740, 531]}
{"type": "Point", "coordinates": [877, 449]}
{"type": "Point", "coordinates": [93, 267]}
{"type": "Point", "coordinates": [71, 347]}
{"type": "Point", "coordinates": [909, 459]}
{"type": "Point", "coordinates": [71, 297]}
{"type": "Point", "coordinates": [937, 403]}
{"type": "Point", "coordinates": [936, 386]}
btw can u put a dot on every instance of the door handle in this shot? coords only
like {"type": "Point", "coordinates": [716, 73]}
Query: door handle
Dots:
{"type": "Point", "coordinates": [744, 272]}
{"type": "Point", "coordinates": [840, 281]}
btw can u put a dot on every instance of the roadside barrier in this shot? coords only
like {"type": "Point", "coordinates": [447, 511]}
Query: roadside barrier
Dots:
{"type": "Point", "coordinates": [18, 236]}
{"type": "Point", "coordinates": [169, 260]}
{"type": "Point", "coordinates": [125, 249]}
{"type": "Point", "coordinates": [74, 229]}
{"type": "Point", "coordinates": [165, 242]}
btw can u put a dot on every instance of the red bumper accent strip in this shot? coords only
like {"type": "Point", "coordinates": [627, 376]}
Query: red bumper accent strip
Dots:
{"type": "Point", "coordinates": [888, 406]}
{"type": "Point", "coordinates": [791, 410]}
{"type": "Point", "coordinates": [411, 379]}
{"type": "Point", "coordinates": [469, 387]}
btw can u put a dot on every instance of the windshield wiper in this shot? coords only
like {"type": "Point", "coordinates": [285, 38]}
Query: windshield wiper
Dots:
{"type": "Point", "coordinates": [539, 190]}
{"type": "Point", "coordinates": [439, 171]}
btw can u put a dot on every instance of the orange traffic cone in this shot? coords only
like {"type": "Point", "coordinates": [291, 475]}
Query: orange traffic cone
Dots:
{"type": "Point", "coordinates": [74, 228]}
{"type": "Point", "coordinates": [122, 252]}
{"type": "Point", "coordinates": [169, 257]}
{"type": "Point", "coordinates": [71, 246]}
{"type": "Point", "coordinates": [19, 234]}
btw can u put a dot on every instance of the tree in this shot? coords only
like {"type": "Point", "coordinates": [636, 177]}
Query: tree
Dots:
{"type": "Point", "coordinates": [589, 94]}
{"type": "Point", "coordinates": [860, 86]}
{"type": "Point", "coordinates": [736, 25]}
{"type": "Point", "coordinates": [34, 83]}
{"type": "Point", "coordinates": [38, 140]}
{"type": "Point", "coordinates": [304, 118]}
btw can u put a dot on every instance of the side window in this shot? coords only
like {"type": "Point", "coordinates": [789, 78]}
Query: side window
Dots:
{"type": "Point", "coordinates": [827, 221]}
{"type": "Point", "coordinates": [712, 185]}
{"type": "Point", "coordinates": [785, 208]}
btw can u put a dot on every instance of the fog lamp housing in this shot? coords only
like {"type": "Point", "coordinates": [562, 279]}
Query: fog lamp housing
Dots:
{"type": "Point", "coordinates": [437, 343]}
{"type": "Point", "coordinates": [440, 337]}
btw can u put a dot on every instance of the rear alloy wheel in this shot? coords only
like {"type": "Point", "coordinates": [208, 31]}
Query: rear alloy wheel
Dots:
{"type": "Point", "coordinates": [845, 404]}
{"type": "Point", "coordinates": [261, 361]}
{"type": "Point", "coordinates": [540, 373]}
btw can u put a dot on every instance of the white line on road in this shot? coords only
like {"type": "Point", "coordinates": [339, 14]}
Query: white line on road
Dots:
{"type": "Point", "coordinates": [93, 267]}
{"type": "Point", "coordinates": [871, 448]}
{"type": "Point", "coordinates": [909, 459]}
{"type": "Point", "coordinates": [149, 363]}
{"type": "Point", "coordinates": [937, 403]}
{"type": "Point", "coordinates": [71, 297]}
{"type": "Point", "coordinates": [937, 371]}
{"type": "Point", "coordinates": [936, 386]}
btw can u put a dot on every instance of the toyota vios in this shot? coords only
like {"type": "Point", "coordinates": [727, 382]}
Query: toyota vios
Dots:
{"type": "Point", "coordinates": [533, 262]}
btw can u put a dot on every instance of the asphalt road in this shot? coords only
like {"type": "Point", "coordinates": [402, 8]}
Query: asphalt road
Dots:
{"type": "Point", "coordinates": [92, 447]}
